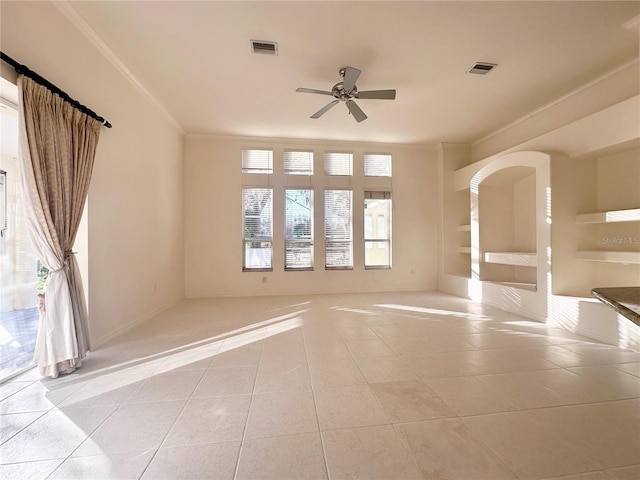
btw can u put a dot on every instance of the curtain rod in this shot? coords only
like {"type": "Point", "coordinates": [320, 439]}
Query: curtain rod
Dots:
{"type": "Point", "coordinates": [24, 70]}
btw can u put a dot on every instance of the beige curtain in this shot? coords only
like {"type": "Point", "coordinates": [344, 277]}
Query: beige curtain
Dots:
{"type": "Point", "coordinates": [58, 145]}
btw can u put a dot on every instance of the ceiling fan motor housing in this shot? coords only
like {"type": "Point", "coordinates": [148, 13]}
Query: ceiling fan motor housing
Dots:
{"type": "Point", "coordinates": [340, 93]}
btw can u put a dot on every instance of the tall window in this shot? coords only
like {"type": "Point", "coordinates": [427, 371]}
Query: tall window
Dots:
{"type": "Point", "coordinates": [257, 161]}
{"type": "Point", "coordinates": [338, 163]}
{"type": "Point", "coordinates": [298, 163]}
{"type": "Point", "coordinates": [377, 231]}
{"type": "Point", "coordinates": [338, 229]}
{"type": "Point", "coordinates": [376, 165]}
{"type": "Point", "coordinates": [298, 244]}
{"type": "Point", "coordinates": [257, 225]}
{"type": "Point", "coordinates": [20, 271]}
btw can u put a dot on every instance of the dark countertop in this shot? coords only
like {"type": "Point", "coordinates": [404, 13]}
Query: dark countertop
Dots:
{"type": "Point", "coordinates": [624, 300]}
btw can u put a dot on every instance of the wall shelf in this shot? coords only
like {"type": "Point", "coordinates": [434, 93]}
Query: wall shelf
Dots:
{"type": "Point", "coordinates": [464, 228]}
{"type": "Point", "coordinates": [464, 250]}
{"type": "Point", "coordinates": [630, 215]}
{"type": "Point", "coordinates": [523, 259]}
{"type": "Point", "coordinates": [608, 256]}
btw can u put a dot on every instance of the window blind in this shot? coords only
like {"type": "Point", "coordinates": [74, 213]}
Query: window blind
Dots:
{"type": "Point", "coordinates": [338, 163]}
{"type": "Point", "coordinates": [257, 224]}
{"type": "Point", "coordinates": [338, 229]}
{"type": "Point", "coordinates": [377, 165]}
{"type": "Point", "coordinates": [298, 229]}
{"type": "Point", "coordinates": [377, 195]}
{"type": "Point", "coordinates": [298, 163]}
{"type": "Point", "coordinates": [257, 161]}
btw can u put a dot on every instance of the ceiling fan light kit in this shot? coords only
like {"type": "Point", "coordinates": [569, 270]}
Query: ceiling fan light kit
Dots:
{"type": "Point", "coordinates": [346, 91]}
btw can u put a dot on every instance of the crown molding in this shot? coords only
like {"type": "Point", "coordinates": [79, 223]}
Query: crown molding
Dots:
{"type": "Point", "coordinates": [558, 100]}
{"type": "Point", "coordinates": [90, 34]}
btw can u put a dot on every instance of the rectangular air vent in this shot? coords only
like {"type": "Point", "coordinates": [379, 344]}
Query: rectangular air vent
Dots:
{"type": "Point", "coordinates": [481, 68]}
{"type": "Point", "coordinates": [264, 46]}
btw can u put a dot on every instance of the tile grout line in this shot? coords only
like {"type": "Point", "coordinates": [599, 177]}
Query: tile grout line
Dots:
{"type": "Point", "coordinates": [315, 405]}
{"type": "Point", "coordinates": [43, 413]}
{"type": "Point", "coordinates": [119, 406]}
{"type": "Point", "coordinates": [497, 455]}
{"type": "Point", "coordinates": [246, 422]}
{"type": "Point", "coordinates": [402, 439]}
{"type": "Point", "coordinates": [186, 402]}
{"type": "Point", "coordinates": [124, 402]}
{"type": "Point", "coordinates": [27, 425]}
{"type": "Point", "coordinates": [391, 424]}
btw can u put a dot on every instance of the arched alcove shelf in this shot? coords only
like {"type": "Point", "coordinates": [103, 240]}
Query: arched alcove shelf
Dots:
{"type": "Point", "coordinates": [510, 232]}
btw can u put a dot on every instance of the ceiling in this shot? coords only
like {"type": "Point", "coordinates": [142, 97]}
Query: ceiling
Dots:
{"type": "Point", "coordinates": [195, 59]}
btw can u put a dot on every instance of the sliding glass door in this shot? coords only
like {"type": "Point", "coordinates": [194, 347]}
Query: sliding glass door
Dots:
{"type": "Point", "coordinates": [20, 273]}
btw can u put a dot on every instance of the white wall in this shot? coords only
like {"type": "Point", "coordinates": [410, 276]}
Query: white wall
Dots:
{"type": "Point", "coordinates": [573, 192]}
{"type": "Point", "coordinates": [454, 212]}
{"type": "Point", "coordinates": [213, 235]}
{"type": "Point", "coordinates": [535, 130]}
{"type": "Point", "coordinates": [135, 207]}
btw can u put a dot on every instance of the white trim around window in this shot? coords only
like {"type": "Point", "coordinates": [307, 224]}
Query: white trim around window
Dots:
{"type": "Point", "coordinates": [298, 236]}
{"type": "Point", "coordinates": [338, 229]}
{"type": "Point", "coordinates": [377, 231]}
{"type": "Point", "coordinates": [257, 228]}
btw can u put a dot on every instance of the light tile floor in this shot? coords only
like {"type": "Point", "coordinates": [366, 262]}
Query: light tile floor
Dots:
{"type": "Point", "coordinates": [389, 386]}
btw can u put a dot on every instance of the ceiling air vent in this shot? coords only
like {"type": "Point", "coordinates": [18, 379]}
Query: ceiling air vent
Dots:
{"type": "Point", "coordinates": [263, 46]}
{"type": "Point", "coordinates": [482, 68]}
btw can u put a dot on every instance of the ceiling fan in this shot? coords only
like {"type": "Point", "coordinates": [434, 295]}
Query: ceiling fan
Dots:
{"type": "Point", "coordinates": [346, 91]}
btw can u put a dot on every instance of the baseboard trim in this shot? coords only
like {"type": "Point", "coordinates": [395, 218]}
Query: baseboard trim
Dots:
{"type": "Point", "coordinates": [315, 292]}
{"type": "Point", "coordinates": [95, 344]}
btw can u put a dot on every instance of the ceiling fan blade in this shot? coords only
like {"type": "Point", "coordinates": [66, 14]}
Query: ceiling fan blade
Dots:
{"type": "Point", "coordinates": [377, 94]}
{"type": "Point", "coordinates": [350, 78]}
{"type": "Point", "coordinates": [324, 109]}
{"type": "Point", "coordinates": [355, 110]}
{"type": "Point", "coordinates": [312, 90]}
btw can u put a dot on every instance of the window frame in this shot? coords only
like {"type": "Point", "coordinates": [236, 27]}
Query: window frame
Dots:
{"type": "Point", "coordinates": [246, 239]}
{"type": "Point", "coordinates": [328, 242]}
{"type": "Point", "coordinates": [328, 154]}
{"type": "Point", "coordinates": [368, 156]}
{"type": "Point", "coordinates": [376, 242]}
{"type": "Point", "coordinates": [257, 170]}
{"type": "Point", "coordinates": [289, 240]}
{"type": "Point", "coordinates": [308, 173]}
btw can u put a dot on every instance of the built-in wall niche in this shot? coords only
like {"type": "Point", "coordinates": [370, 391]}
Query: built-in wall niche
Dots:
{"type": "Point", "coordinates": [608, 230]}
{"type": "Point", "coordinates": [510, 231]}
{"type": "Point", "coordinates": [615, 236]}
{"type": "Point", "coordinates": [455, 226]}
{"type": "Point", "coordinates": [507, 227]}
{"type": "Point", "coordinates": [617, 219]}
{"type": "Point", "coordinates": [457, 237]}
{"type": "Point", "coordinates": [596, 220]}
{"type": "Point", "coordinates": [462, 263]}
